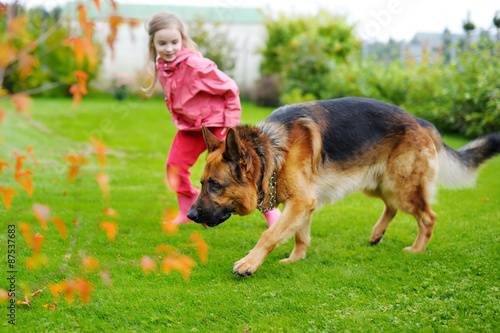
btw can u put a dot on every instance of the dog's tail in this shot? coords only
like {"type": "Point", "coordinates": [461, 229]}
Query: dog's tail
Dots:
{"type": "Point", "coordinates": [458, 168]}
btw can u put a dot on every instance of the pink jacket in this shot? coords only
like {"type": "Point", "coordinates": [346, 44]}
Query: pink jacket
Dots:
{"type": "Point", "coordinates": [197, 92]}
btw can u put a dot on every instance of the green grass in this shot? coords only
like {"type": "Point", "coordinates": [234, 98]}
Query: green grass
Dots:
{"type": "Point", "coordinates": [344, 284]}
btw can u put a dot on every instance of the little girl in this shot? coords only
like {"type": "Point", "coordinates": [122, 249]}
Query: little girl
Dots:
{"type": "Point", "coordinates": [196, 92]}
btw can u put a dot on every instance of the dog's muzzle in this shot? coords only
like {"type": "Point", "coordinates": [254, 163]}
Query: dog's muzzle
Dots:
{"type": "Point", "coordinates": [210, 220]}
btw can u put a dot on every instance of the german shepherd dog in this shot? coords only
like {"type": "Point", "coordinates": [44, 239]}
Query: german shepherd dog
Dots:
{"type": "Point", "coordinates": [311, 154]}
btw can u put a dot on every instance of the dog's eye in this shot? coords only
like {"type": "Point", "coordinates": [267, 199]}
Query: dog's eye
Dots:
{"type": "Point", "coordinates": [214, 185]}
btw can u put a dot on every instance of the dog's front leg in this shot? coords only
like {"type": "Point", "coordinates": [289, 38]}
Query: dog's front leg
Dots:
{"type": "Point", "coordinates": [295, 216]}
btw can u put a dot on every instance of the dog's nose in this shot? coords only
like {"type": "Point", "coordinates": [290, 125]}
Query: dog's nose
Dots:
{"type": "Point", "coordinates": [193, 214]}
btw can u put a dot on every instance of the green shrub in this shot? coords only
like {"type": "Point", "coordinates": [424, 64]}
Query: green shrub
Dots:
{"type": "Point", "coordinates": [463, 97]}
{"type": "Point", "coordinates": [303, 50]}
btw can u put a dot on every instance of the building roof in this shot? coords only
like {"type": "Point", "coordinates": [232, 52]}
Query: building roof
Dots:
{"type": "Point", "coordinates": [240, 15]}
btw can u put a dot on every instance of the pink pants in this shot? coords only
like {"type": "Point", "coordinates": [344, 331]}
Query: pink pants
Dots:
{"type": "Point", "coordinates": [184, 152]}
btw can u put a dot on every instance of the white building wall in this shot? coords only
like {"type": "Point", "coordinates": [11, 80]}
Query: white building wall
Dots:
{"type": "Point", "coordinates": [131, 53]}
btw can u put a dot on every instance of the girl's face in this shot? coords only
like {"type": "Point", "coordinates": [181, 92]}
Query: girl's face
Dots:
{"type": "Point", "coordinates": [168, 43]}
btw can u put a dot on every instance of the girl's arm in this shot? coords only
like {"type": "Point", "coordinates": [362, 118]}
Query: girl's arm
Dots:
{"type": "Point", "coordinates": [216, 82]}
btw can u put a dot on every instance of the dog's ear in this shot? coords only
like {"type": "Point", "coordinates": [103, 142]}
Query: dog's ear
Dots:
{"type": "Point", "coordinates": [234, 147]}
{"type": "Point", "coordinates": [211, 140]}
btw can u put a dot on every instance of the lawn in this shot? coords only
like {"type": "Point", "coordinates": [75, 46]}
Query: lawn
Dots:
{"type": "Point", "coordinates": [343, 285]}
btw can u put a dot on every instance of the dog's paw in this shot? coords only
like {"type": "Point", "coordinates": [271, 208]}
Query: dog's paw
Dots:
{"type": "Point", "coordinates": [412, 249]}
{"type": "Point", "coordinates": [376, 240]}
{"type": "Point", "coordinates": [288, 260]}
{"type": "Point", "coordinates": [245, 267]}
{"type": "Point", "coordinates": [292, 258]}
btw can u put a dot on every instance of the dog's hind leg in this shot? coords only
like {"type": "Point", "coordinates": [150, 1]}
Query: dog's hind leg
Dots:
{"type": "Point", "coordinates": [425, 220]}
{"type": "Point", "coordinates": [302, 242]}
{"type": "Point", "coordinates": [382, 223]}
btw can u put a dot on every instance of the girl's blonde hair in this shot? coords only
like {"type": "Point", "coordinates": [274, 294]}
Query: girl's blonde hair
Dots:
{"type": "Point", "coordinates": [165, 20]}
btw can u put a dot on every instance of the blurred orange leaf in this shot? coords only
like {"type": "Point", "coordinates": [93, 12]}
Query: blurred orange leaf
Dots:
{"type": "Point", "coordinates": [114, 22]}
{"type": "Point", "coordinates": [42, 214]}
{"type": "Point", "coordinates": [26, 64]}
{"type": "Point", "coordinates": [111, 212]}
{"type": "Point", "coordinates": [7, 194]}
{"type": "Point", "coordinates": [82, 77]}
{"type": "Point", "coordinates": [4, 295]}
{"type": "Point", "coordinates": [99, 149]}
{"type": "Point", "coordinates": [83, 48]}
{"type": "Point", "coordinates": [74, 161]}
{"type": "Point", "coordinates": [37, 243]}
{"type": "Point", "coordinates": [167, 225]}
{"type": "Point", "coordinates": [89, 263]}
{"type": "Point", "coordinates": [133, 23]}
{"type": "Point", "coordinates": [103, 181]}
{"type": "Point", "coordinates": [70, 287]}
{"type": "Point", "coordinates": [2, 113]}
{"type": "Point", "coordinates": [17, 25]}
{"type": "Point", "coordinates": [201, 246]}
{"type": "Point", "coordinates": [113, 4]}
{"type": "Point", "coordinates": [111, 230]}
{"type": "Point", "coordinates": [165, 249]}
{"type": "Point", "coordinates": [2, 165]}
{"type": "Point", "coordinates": [25, 229]}
{"type": "Point", "coordinates": [26, 184]}
{"type": "Point", "coordinates": [98, 4]}
{"type": "Point", "coordinates": [55, 289]}
{"type": "Point", "coordinates": [33, 158]}
{"type": "Point", "coordinates": [84, 288]}
{"type": "Point", "coordinates": [61, 227]}
{"type": "Point", "coordinates": [22, 102]}
{"type": "Point", "coordinates": [19, 161]}
{"type": "Point", "coordinates": [82, 18]}
{"type": "Point", "coordinates": [76, 91]}
{"type": "Point", "coordinates": [147, 264]}
{"type": "Point", "coordinates": [183, 264]}
{"type": "Point", "coordinates": [8, 54]}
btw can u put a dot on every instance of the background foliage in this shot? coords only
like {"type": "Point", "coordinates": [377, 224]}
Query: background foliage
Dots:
{"type": "Point", "coordinates": [302, 50]}
{"type": "Point", "coordinates": [213, 43]}
{"type": "Point", "coordinates": [461, 97]}
{"type": "Point", "coordinates": [55, 63]}
{"type": "Point", "coordinates": [307, 58]}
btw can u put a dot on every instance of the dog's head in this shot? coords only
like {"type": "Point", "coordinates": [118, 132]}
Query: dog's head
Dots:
{"type": "Point", "coordinates": [228, 181]}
